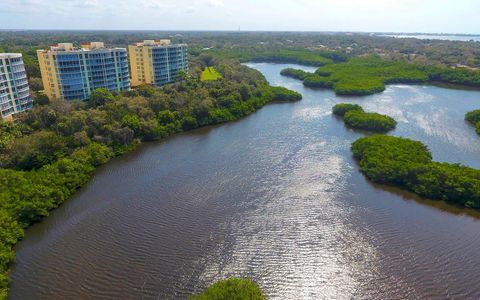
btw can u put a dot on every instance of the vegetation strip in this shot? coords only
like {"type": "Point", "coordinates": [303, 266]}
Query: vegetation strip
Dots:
{"type": "Point", "coordinates": [355, 117]}
{"type": "Point", "coordinates": [408, 164]}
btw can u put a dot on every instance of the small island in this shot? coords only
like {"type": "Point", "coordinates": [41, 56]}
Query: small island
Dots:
{"type": "Point", "coordinates": [474, 118]}
{"type": "Point", "coordinates": [355, 117]}
{"type": "Point", "coordinates": [295, 73]}
{"type": "Point", "coordinates": [232, 288]}
{"type": "Point", "coordinates": [408, 164]}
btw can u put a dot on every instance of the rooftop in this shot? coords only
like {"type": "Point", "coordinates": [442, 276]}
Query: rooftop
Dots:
{"type": "Point", "coordinates": [67, 47]}
{"type": "Point", "coordinates": [10, 55]}
{"type": "Point", "coordinates": [159, 43]}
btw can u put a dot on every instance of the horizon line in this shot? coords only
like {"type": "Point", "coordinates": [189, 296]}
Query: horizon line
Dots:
{"type": "Point", "coordinates": [249, 31]}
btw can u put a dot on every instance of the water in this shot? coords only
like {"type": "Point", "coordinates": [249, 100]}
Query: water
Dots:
{"type": "Point", "coordinates": [446, 37]}
{"type": "Point", "coordinates": [276, 197]}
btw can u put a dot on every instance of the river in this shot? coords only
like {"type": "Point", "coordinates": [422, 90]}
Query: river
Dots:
{"type": "Point", "coordinates": [276, 197]}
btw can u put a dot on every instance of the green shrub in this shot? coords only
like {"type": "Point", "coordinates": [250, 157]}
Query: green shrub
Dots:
{"type": "Point", "coordinates": [232, 289]}
{"type": "Point", "coordinates": [369, 121]}
{"type": "Point", "coordinates": [342, 108]}
{"type": "Point", "coordinates": [473, 116]}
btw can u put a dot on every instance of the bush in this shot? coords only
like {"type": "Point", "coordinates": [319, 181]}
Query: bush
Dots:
{"type": "Point", "coordinates": [342, 108]}
{"type": "Point", "coordinates": [233, 288]}
{"type": "Point", "coordinates": [473, 116]}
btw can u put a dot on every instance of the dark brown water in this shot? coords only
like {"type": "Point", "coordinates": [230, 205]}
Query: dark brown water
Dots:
{"type": "Point", "coordinates": [275, 197]}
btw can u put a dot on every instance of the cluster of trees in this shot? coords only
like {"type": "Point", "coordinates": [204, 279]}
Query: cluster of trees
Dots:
{"type": "Point", "coordinates": [232, 288]}
{"type": "Point", "coordinates": [355, 117]}
{"type": "Point", "coordinates": [460, 76]}
{"type": "Point", "coordinates": [52, 149]}
{"type": "Point", "coordinates": [368, 75]}
{"type": "Point", "coordinates": [408, 164]}
{"type": "Point", "coordinates": [301, 57]}
{"type": "Point", "coordinates": [295, 73]}
{"type": "Point", "coordinates": [341, 109]}
{"type": "Point", "coordinates": [291, 55]}
{"type": "Point", "coordinates": [285, 95]}
{"type": "Point", "coordinates": [472, 117]}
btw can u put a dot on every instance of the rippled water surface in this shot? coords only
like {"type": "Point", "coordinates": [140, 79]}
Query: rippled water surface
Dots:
{"type": "Point", "coordinates": [275, 197]}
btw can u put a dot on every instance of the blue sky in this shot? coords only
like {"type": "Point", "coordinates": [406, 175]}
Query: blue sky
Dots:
{"type": "Point", "coordinates": [447, 16]}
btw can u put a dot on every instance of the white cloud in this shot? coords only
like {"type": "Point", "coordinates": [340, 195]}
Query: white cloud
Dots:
{"type": "Point", "coordinates": [216, 3]}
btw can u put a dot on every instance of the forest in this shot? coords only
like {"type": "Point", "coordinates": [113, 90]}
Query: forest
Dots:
{"type": "Point", "coordinates": [355, 117]}
{"type": "Point", "coordinates": [408, 164]}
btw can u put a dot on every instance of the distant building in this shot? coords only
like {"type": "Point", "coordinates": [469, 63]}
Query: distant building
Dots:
{"type": "Point", "coordinates": [157, 62]}
{"type": "Point", "coordinates": [73, 73]}
{"type": "Point", "coordinates": [15, 94]}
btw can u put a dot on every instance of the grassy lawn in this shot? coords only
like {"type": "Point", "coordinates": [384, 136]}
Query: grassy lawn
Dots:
{"type": "Point", "coordinates": [210, 74]}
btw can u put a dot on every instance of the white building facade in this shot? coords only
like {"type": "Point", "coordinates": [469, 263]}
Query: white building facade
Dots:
{"type": "Point", "coordinates": [15, 93]}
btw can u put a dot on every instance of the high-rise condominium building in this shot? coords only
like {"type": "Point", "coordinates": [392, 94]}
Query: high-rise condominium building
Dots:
{"type": "Point", "coordinates": [14, 91]}
{"type": "Point", "coordinates": [72, 73]}
{"type": "Point", "coordinates": [157, 62]}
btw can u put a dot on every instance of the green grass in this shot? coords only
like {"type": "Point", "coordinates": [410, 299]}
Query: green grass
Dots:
{"type": "Point", "coordinates": [210, 74]}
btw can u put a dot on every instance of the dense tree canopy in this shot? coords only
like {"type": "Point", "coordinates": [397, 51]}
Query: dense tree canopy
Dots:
{"type": "Point", "coordinates": [355, 117]}
{"type": "Point", "coordinates": [408, 164]}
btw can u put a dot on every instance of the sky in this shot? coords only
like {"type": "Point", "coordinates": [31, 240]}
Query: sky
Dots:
{"type": "Point", "coordinates": [431, 16]}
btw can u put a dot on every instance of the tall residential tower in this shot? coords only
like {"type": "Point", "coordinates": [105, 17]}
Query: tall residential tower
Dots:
{"type": "Point", "coordinates": [73, 73]}
{"type": "Point", "coordinates": [157, 62]}
{"type": "Point", "coordinates": [14, 90]}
